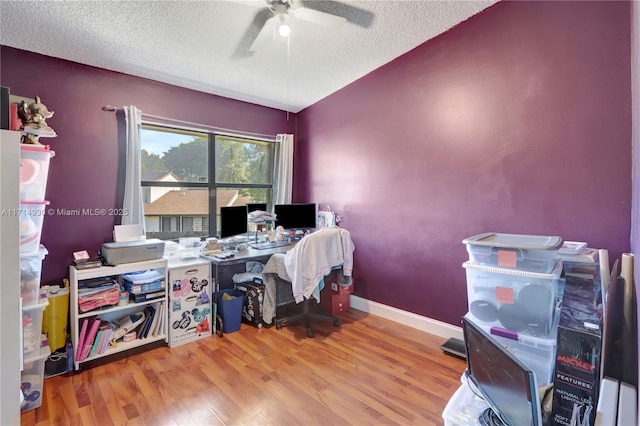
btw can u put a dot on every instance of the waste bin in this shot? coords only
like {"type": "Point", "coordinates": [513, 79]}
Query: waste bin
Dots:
{"type": "Point", "coordinates": [230, 306]}
{"type": "Point", "coordinates": [55, 317]}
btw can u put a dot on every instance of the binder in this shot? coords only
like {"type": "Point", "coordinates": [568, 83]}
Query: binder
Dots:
{"type": "Point", "coordinates": [80, 344]}
{"type": "Point", "coordinates": [91, 335]}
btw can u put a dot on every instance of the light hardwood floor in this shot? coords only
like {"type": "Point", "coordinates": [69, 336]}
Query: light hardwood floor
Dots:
{"type": "Point", "coordinates": [370, 371]}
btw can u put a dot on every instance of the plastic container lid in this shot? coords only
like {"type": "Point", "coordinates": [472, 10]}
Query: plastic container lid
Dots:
{"type": "Point", "coordinates": [43, 302]}
{"type": "Point", "coordinates": [42, 354]}
{"type": "Point", "coordinates": [516, 241]}
{"type": "Point", "coordinates": [42, 252]}
{"type": "Point", "coordinates": [553, 275]}
{"type": "Point", "coordinates": [38, 148]}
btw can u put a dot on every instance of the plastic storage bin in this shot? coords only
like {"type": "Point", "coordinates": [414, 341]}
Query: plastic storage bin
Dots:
{"type": "Point", "coordinates": [31, 218]}
{"type": "Point", "coordinates": [532, 253]}
{"type": "Point", "coordinates": [30, 274]}
{"type": "Point", "coordinates": [32, 378]}
{"type": "Point", "coordinates": [56, 316]}
{"type": "Point", "coordinates": [520, 301]}
{"type": "Point", "coordinates": [34, 170]}
{"type": "Point", "coordinates": [231, 310]}
{"type": "Point", "coordinates": [32, 325]}
{"type": "Point", "coordinates": [464, 408]}
{"type": "Point", "coordinates": [537, 353]}
{"type": "Point", "coordinates": [189, 248]}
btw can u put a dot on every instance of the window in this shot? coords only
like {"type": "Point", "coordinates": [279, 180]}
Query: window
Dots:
{"type": "Point", "coordinates": [186, 175]}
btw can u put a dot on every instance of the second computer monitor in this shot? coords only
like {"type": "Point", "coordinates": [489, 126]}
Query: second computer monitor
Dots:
{"type": "Point", "coordinates": [233, 221]}
{"type": "Point", "coordinates": [296, 216]}
{"type": "Point", "coordinates": [257, 206]}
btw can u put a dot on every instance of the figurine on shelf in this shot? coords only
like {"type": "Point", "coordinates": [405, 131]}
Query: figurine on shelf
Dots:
{"type": "Point", "coordinates": [34, 124]}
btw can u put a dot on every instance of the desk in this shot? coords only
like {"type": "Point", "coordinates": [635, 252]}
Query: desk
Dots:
{"type": "Point", "coordinates": [248, 255]}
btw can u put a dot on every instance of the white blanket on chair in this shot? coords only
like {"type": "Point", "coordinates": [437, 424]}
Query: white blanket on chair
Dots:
{"type": "Point", "coordinates": [314, 256]}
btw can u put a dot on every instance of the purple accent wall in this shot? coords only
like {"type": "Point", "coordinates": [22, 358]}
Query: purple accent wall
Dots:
{"type": "Point", "coordinates": [516, 121]}
{"type": "Point", "coordinates": [85, 171]}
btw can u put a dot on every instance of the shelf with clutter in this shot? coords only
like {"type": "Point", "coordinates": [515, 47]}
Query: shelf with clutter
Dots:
{"type": "Point", "coordinates": [117, 308]}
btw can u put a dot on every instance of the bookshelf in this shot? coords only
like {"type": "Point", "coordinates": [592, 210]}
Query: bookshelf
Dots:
{"type": "Point", "coordinates": [110, 312]}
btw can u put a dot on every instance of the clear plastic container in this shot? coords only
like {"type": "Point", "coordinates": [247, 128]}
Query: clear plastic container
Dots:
{"type": "Point", "coordinates": [189, 248]}
{"type": "Point", "coordinates": [34, 170]}
{"type": "Point", "coordinates": [30, 274]}
{"type": "Point", "coordinates": [32, 325]}
{"type": "Point", "coordinates": [31, 218]}
{"type": "Point", "coordinates": [32, 378]}
{"type": "Point", "coordinates": [464, 407]}
{"type": "Point", "coordinates": [532, 253]}
{"type": "Point", "coordinates": [516, 300]}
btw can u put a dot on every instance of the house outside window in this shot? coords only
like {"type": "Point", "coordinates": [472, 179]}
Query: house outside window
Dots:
{"type": "Point", "coordinates": [186, 175]}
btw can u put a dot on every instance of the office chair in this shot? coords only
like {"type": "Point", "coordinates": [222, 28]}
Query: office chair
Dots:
{"type": "Point", "coordinates": [327, 253]}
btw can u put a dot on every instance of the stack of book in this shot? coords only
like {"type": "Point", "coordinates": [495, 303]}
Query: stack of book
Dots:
{"type": "Point", "coordinates": [96, 334]}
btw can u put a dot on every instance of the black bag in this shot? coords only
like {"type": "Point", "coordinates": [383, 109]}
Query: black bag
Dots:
{"type": "Point", "coordinates": [253, 300]}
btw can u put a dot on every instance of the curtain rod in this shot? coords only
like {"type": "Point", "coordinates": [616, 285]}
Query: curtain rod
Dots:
{"type": "Point", "coordinates": [200, 127]}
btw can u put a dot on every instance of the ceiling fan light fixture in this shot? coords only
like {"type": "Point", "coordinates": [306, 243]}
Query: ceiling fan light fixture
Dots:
{"type": "Point", "coordinates": [283, 27]}
{"type": "Point", "coordinates": [284, 30]}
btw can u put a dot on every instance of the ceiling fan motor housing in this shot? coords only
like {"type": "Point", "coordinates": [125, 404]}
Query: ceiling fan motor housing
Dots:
{"type": "Point", "coordinates": [279, 6]}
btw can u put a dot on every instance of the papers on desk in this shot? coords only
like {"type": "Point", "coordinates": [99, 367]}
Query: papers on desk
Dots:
{"type": "Point", "coordinates": [260, 216]}
{"type": "Point", "coordinates": [123, 233]}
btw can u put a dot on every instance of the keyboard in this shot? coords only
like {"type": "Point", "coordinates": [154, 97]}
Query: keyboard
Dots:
{"type": "Point", "coordinates": [268, 245]}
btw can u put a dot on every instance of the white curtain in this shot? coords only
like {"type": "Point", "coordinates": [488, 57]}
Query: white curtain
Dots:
{"type": "Point", "coordinates": [132, 203]}
{"type": "Point", "coordinates": [283, 178]}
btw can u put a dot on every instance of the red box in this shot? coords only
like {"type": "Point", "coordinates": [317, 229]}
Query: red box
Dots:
{"type": "Point", "coordinates": [334, 303]}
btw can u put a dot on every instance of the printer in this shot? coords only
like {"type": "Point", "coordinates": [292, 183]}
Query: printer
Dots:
{"type": "Point", "coordinates": [132, 251]}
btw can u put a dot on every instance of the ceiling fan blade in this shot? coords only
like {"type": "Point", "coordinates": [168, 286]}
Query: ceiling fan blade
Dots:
{"type": "Point", "coordinates": [249, 37]}
{"type": "Point", "coordinates": [320, 18]}
{"type": "Point", "coordinates": [356, 15]}
{"type": "Point", "coordinates": [267, 32]}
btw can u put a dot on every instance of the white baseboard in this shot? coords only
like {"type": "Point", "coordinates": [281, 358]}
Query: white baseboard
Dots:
{"type": "Point", "coordinates": [410, 319]}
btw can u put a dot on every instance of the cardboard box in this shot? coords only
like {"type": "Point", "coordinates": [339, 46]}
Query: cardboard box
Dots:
{"type": "Point", "coordinates": [579, 347]}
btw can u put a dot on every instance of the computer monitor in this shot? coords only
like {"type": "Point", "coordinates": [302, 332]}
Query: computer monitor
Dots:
{"type": "Point", "coordinates": [233, 221]}
{"type": "Point", "coordinates": [506, 384]}
{"type": "Point", "coordinates": [257, 206]}
{"type": "Point", "coordinates": [296, 216]}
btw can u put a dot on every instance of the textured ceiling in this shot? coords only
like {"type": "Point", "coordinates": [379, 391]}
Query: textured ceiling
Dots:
{"type": "Point", "coordinates": [204, 45]}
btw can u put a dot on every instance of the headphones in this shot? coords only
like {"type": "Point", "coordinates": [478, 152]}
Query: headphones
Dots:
{"type": "Point", "coordinates": [529, 310]}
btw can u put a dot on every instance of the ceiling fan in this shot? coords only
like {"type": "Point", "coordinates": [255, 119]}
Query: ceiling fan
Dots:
{"type": "Point", "coordinates": [275, 15]}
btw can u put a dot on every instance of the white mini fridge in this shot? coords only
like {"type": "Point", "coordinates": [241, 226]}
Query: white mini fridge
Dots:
{"type": "Point", "coordinates": [190, 307]}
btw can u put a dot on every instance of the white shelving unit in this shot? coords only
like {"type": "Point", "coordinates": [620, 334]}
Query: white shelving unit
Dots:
{"type": "Point", "coordinates": [191, 308]}
{"type": "Point", "coordinates": [115, 312]}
